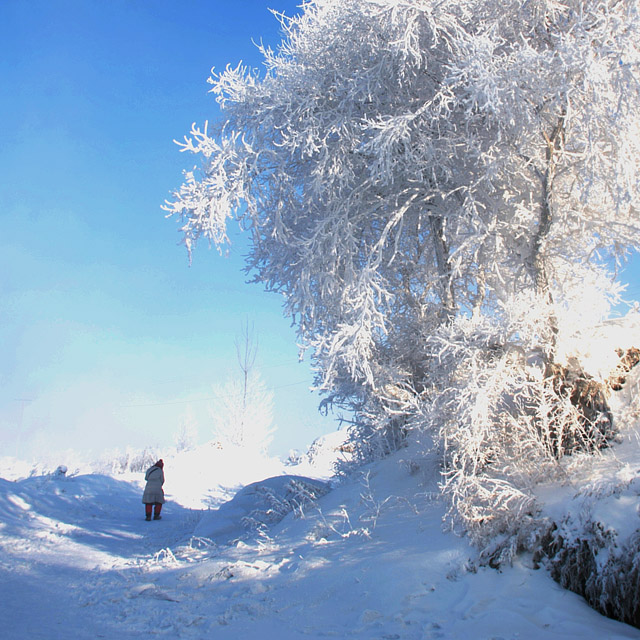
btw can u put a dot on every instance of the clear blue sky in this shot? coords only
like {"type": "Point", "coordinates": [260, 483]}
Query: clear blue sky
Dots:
{"type": "Point", "coordinates": [99, 309]}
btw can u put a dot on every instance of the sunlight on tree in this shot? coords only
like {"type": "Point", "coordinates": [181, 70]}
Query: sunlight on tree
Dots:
{"type": "Point", "coordinates": [439, 191]}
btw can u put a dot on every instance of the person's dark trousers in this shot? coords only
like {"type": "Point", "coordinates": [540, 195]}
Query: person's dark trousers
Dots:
{"type": "Point", "coordinates": [148, 508]}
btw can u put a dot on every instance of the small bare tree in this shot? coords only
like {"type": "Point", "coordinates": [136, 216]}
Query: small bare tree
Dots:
{"type": "Point", "coordinates": [246, 351]}
{"type": "Point", "coordinates": [243, 412]}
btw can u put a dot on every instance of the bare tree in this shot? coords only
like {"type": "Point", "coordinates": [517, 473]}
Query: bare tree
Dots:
{"type": "Point", "coordinates": [243, 412]}
{"type": "Point", "coordinates": [246, 351]}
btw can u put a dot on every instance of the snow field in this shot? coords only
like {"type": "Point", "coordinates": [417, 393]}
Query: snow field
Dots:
{"type": "Point", "coordinates": [367, 560]}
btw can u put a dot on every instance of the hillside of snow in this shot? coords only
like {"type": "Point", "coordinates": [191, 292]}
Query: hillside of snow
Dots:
{"type": "Point", "coordinates": [367, 558]}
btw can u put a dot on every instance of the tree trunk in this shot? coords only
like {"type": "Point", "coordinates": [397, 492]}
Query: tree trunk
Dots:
{"type": "Point", "coordinates": [246, 349]}
{"type": "Point", "coordinates": [444, 266]}
{"type": "Point", "coordinates": [538, 259]}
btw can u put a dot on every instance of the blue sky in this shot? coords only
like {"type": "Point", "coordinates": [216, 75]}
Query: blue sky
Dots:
{"type": "Point", "coordinates": [107, 336]}
{"type": "Point", "coordinates": [99, 308]}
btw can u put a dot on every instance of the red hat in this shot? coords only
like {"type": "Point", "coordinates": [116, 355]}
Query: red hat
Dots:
{"type": "Point", "coordinates": [159, 463]}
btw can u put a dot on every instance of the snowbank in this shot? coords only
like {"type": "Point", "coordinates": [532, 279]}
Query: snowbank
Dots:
{"type": "Point", "coordinates": [259, 506]}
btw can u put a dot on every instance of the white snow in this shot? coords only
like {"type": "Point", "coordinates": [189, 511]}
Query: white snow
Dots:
{"type": "Point", "coordinates": [369, 559]}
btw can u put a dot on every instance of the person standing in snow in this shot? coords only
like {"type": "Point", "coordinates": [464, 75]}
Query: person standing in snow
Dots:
{"type": "Point", "coordinates": [153, 496]}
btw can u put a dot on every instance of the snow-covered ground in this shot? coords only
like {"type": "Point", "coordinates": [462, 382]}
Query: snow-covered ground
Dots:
{"type": "Point", "coordinates": [367, 559]}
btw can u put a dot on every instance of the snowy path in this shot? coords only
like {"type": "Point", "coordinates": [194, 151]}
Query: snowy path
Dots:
{"type": "Point", "coordinates": [61, 541]}
{"type": "Point", "coordinates": [371, 561]}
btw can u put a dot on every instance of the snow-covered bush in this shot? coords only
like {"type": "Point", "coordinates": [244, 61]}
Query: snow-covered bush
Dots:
{"type": "Point", "coordinates": [258, 506]}
{"type": "Point", "coordinates": [325, 456]}
{"type": "Point", "coordinates": [504, 419]}
{"type": "Point", "coordinates": [130, 460]}
{"type": "Point", "coordinates": [296, 495]}
{"type": "Point", "coordinates": [595, 551]}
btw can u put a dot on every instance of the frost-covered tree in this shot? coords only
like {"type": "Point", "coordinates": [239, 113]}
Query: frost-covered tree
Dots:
{"type": "Point", "coordinates": [186, 437]}
{"type": "Point", "coordinates": [402, 163]}
{"type": "Point", "coordinates": [246, 424]}
{"type": "Point", "coordinates": [243, 410]}
{"type": "Point", "coordinates": [437, 189]}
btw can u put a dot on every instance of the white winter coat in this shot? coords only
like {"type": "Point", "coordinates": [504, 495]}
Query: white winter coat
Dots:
{"type": "Point", "coordinates": [153, 491]}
